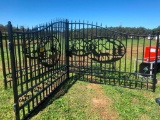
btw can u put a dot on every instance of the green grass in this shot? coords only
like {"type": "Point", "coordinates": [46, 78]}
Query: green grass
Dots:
{"type": "Point", "coordinates": [78, 103]}
{"type": "Point", "coordinates": [91, 102]}
{"type": "Point", "coordinates": [134, 103]}
{"type": "Point", "coordinates": [6, 101]}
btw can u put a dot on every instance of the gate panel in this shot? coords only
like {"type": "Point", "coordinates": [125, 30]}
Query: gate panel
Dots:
{"type": "Point", "coordinates": [103, 56]}
{"type": "Point", "coordinates": [39, 65]}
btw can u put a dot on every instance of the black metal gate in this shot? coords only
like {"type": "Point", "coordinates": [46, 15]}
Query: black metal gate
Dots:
{"type": "Point", "coordinates": [103, 56]}
{"type": "Point", "coordinates": [37, 62]}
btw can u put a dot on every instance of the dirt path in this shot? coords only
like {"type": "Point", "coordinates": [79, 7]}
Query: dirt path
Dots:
{"type": "Point", "coordinates": [101, 104]}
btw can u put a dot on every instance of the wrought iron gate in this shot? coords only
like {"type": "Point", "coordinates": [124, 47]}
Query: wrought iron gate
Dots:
{"type": "Point", "coordinates": [103, 56]}
{"type": "Point", "coordinates": [38, 65]}
{"type": "Point", "coordinates": [37, 62]}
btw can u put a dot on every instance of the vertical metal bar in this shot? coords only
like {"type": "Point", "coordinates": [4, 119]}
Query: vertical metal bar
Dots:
{"type": "Point", "coordinates": [131, 53]}
{"type": "Point", "coordinates": [110, 65]}
{"type": "Point", "coordinates": [126, 39]}
{"type": "Point", "coordinates": [112, 46]}
{"type": "Point", "coordinates": [3, 61]}
{"type": "Point", "coordinates": [155, 69]}
{"type": "Point", "coordinates": [137, 52]}
{"type": "Point", "coordinates": [125, 66]}
{"type": "Point", "coordinates": [120, 62]}
{"type": "Point", "coordinates": [144, 42]}
{"type": "Point", "coordinates": [83, 48]}
{"type": "Point", "coordinates": [15, 90]}
{"type": "Point", "coordinates": [91, 55]}
{"type": "Point", "coordinates": [67, 45]}
{"type": "Point", "coordinates": [79, 46]}
{"type": "Point", "coordinates": [51, 73]}
{"type": "Point", "coordinates": [37, 62]}
{"type": "Point", "coordinates": [29, 45]}
{"type": "Point", "coordinates": [105, 65]}
{"type": "Point", "coordinates": [71, 62]}
{"type": "Point", "coordinates": [87, 66]}
{"type": "Point", "coordinates": [20, 65]}
{"type": "Point", "coordinates": [7, 52]}
{"type": "Point", "coordinates": [16, 56]}
{"type": "Point", "coordinates": [25, 62]}
{"type": "Point", "coordinates": [40, 67]}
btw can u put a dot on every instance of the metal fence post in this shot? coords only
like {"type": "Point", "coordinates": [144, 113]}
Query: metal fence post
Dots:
{"type": "Point", "coordinates": [156, 67]}
{"type": "Point", "coordinates": [15, 91]}
{"type": "Point", "coordinates": [67, 45]}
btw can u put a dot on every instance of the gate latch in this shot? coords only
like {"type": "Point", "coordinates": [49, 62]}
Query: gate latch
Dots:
{"type": "Point", "coordinates": [68, 53]}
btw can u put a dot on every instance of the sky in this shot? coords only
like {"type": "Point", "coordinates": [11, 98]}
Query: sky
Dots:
{"type": "Point", "coordinates": [110, 13]}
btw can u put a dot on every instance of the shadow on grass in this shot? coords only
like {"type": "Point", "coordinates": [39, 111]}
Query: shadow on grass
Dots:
{"type": "Point", "coordinates": [62, 90]}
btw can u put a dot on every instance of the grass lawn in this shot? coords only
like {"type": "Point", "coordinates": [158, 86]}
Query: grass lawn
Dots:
{"type": "Point", "coordinates": [89, 101]}
{"type": "Point", "coordinates": [6, 101]}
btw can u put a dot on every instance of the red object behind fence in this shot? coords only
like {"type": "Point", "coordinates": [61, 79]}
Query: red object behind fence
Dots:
{"type": "Point", "coordinates": [150, 53]}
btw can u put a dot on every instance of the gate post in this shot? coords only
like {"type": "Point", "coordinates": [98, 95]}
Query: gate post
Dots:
{"type": "Point", "coordinates": [15, 91]}
{"type": "Point", "coordinates": [67, 45]}
{"type": "Point", "coordinates": [156, 67]}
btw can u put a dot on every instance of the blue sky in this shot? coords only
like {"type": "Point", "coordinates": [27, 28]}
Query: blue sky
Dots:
{"type": "Point", "coordinates": [128, 13]}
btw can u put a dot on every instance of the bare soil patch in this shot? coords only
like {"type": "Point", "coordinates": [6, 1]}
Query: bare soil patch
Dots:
{"type": "Point", "coordinates": [101, 104]}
